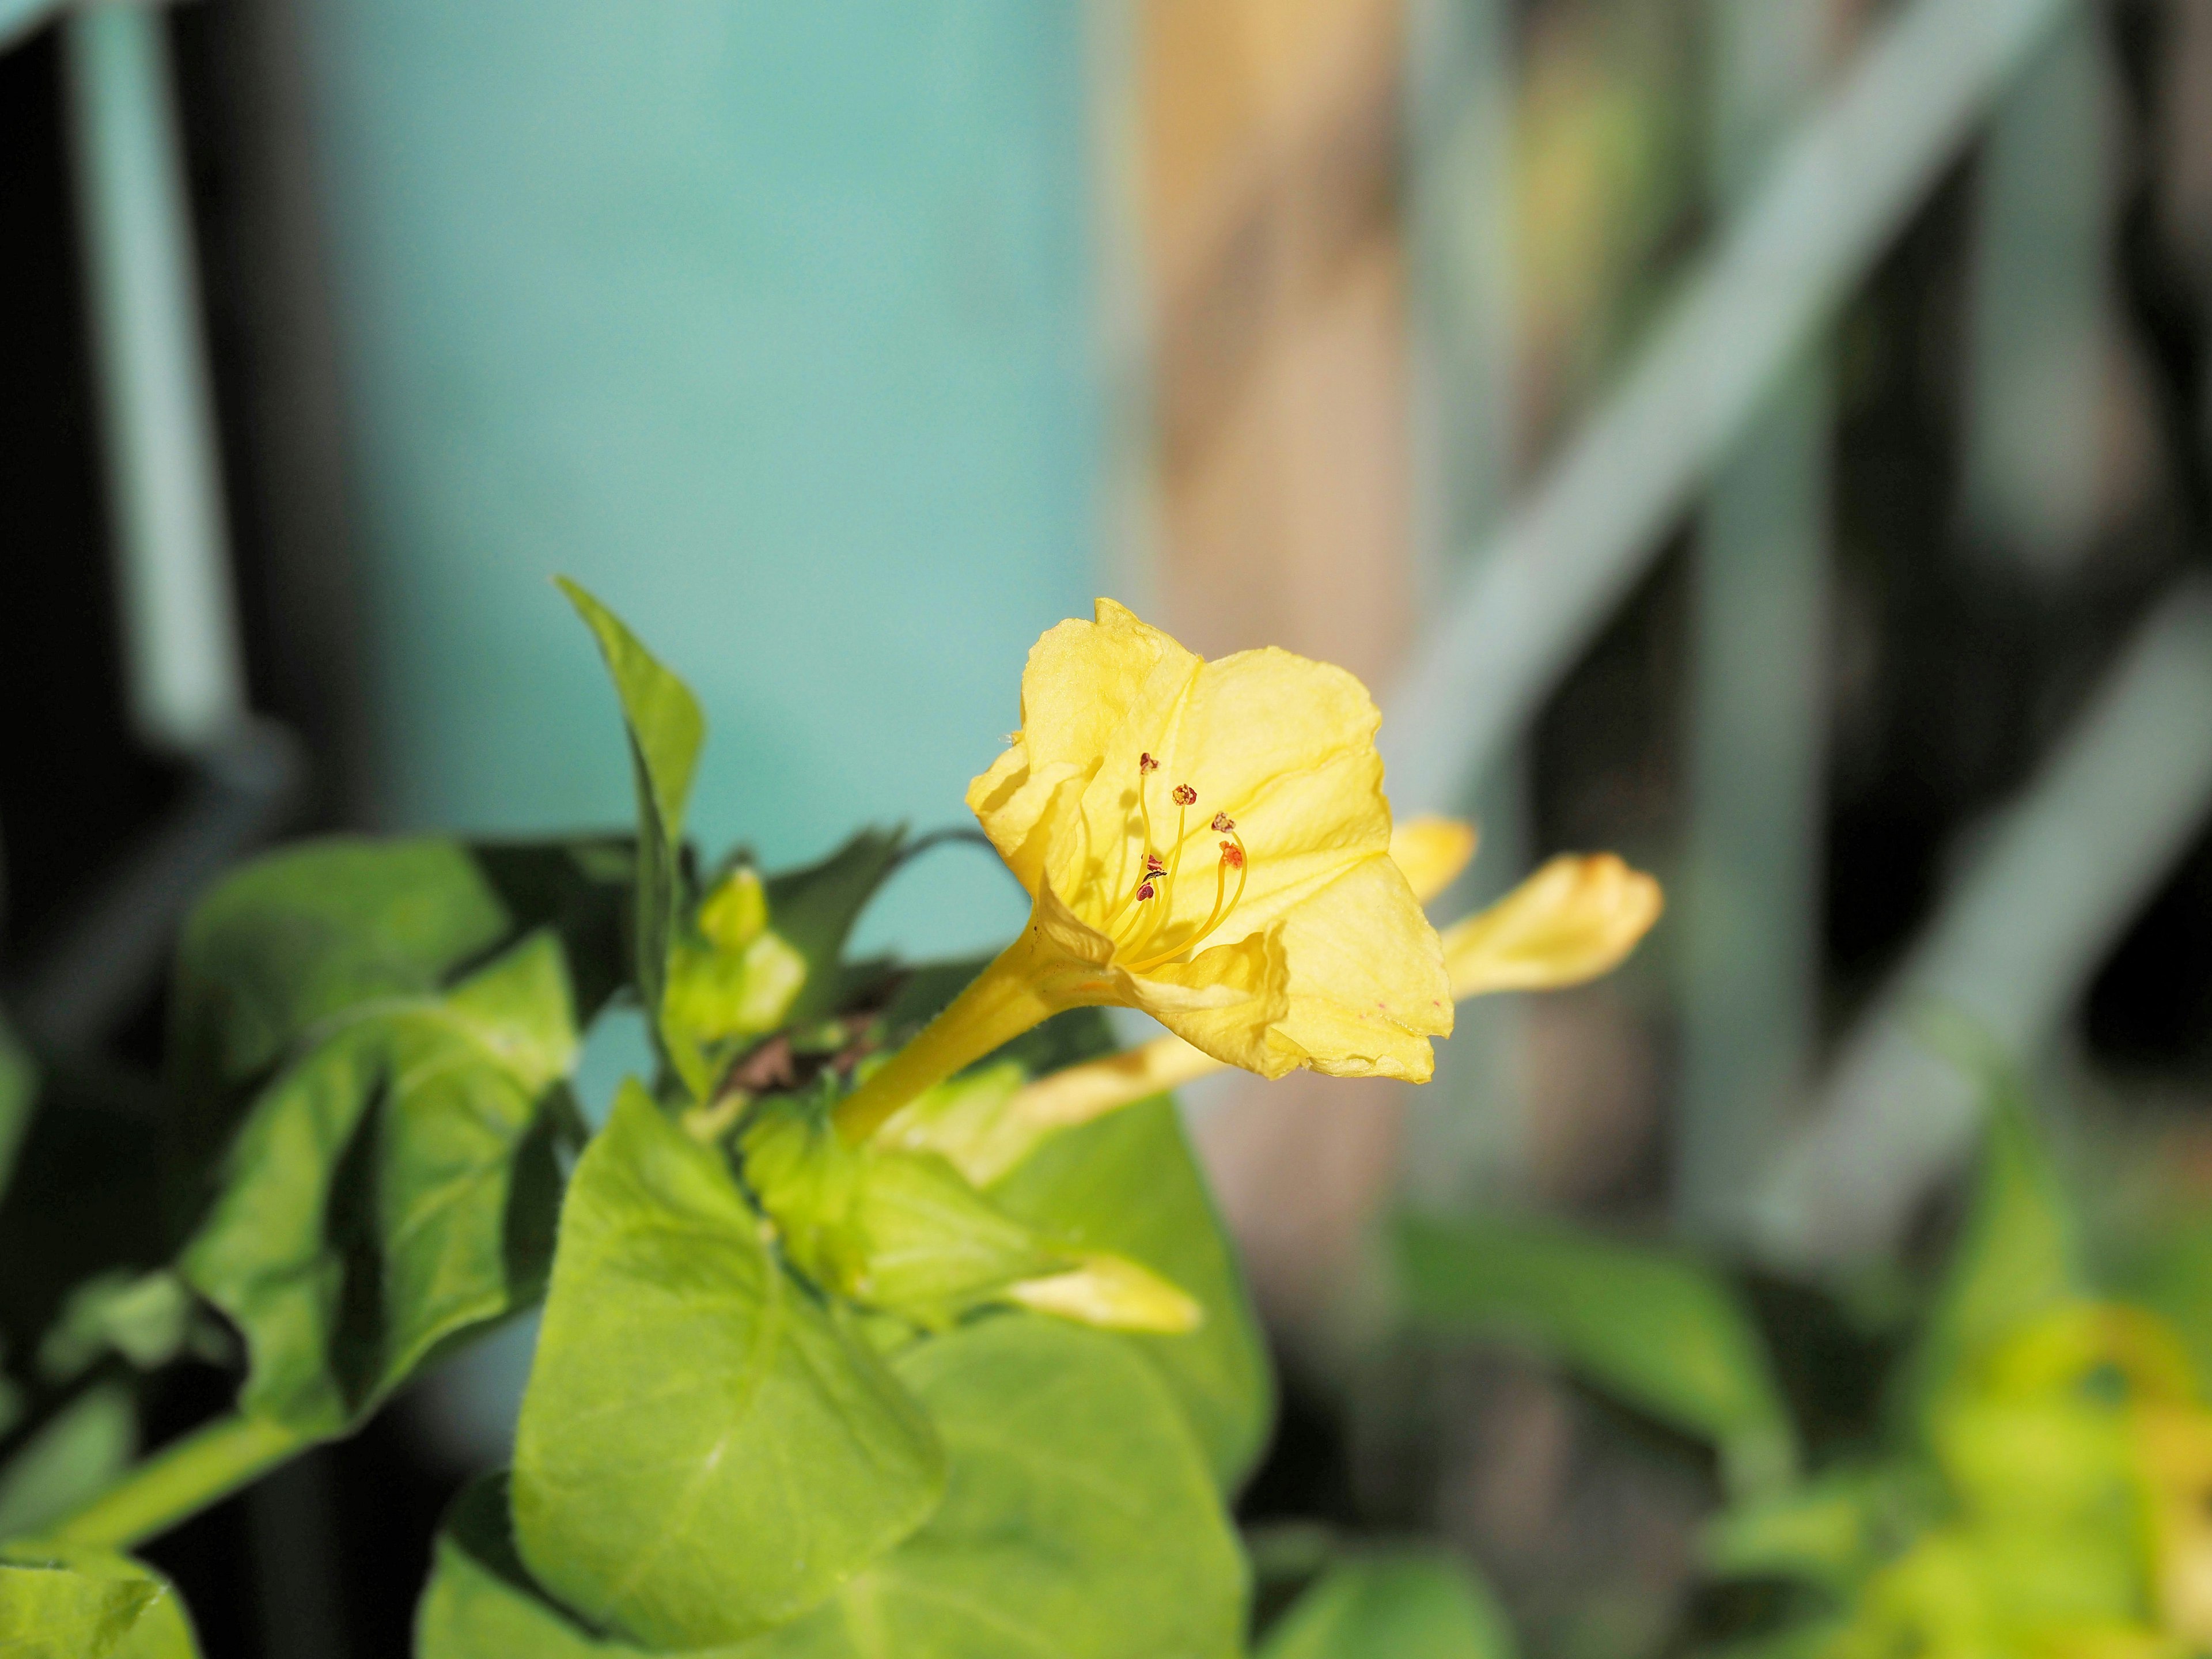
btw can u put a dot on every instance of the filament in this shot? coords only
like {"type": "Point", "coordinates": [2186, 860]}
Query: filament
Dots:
{"type": "Point", "coordinates": [1232, 853]}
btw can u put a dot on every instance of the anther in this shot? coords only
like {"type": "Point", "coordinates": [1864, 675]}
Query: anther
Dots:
{"type": "Point", "coordinates": [1222, 824]}
{"type": "Point", "coordinates": [1144, 891]}
{"type": "Point", "coordinates": [1146, 763]}
{"type": "Point", "coordinates": [1154, 866]}
{"type": "Point", "coordinates": [1185, 795]}
{"type": "Point", "coordinates": [1233, 855]}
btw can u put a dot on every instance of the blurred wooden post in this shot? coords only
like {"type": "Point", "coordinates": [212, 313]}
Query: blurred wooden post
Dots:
{"type": "Point", "coordinates": [1750, 925]}
{"type": "Point", "coordinates": [1271, 131]}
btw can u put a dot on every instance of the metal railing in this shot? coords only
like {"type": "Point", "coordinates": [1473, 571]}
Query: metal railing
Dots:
{"type": "Point", "coordinates": [1731, 351]}
{"type": "Point", "coordinates": [1816, 1169]}
{"type": "Point", "coordinates": [185, 673]}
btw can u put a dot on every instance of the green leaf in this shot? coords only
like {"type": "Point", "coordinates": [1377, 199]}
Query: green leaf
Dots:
{"type": "Point", "coordinates": [480, 1601]}
{"type": "Point", "coordinates": [703, 1452]}
{"type": "Point", "coordinates": [739, 978]}
{"type": "Point", "coordinates": [1127, 1183]}
{"type": "Point", "coordinates": [2017, 1254]}
{"type": "Point", "coordinates": [394, 1189]}
{"type": "Point", "coordinates": [2171, 1274]}
{"type": "Point", "coordinates": [1403, 1606]}
{"type": "Point", "coordinates": [1830, 1531]}
{"type": "Point", "coordinates": [68, 1460]}
{"type": "Point", "coordinates": [145, 1317]}
{"type": "Point", "coordinates": [1081, 1521]}
{"type": "Point", "coordinates": [900, 1232]}
{"type": "Point", "coordinates": [304, 935]}
{"type": "Point", "coordinates": [1659, 1333]}
{"type": "Point", "coordinates": [934, 1247]}
{"type": "Point", "coordinates": [813, 910]}
{"type": "Point", "coordinates": [88, 1604]}
{"type": "Point", "coordinates": [666, 730]}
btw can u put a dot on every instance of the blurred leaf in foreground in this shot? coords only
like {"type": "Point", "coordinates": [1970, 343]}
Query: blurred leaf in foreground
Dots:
{"type": "Point", "coordinates": [1402, 1606]}
{"type": "Point", "coordinates": [1656, 1331]}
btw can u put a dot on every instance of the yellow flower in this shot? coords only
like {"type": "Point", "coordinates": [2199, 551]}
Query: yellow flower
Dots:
{"type": "Point", "coordinates": [1574, 920]}
{"type": "Point", "coordinates": [1207, 842]}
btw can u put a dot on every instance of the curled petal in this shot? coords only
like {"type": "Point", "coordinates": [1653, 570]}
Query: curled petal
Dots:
{"type": "Point", "coordinates": [1575, 919]}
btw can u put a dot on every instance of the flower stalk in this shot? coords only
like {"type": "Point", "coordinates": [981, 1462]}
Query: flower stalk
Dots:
{"type": "Point", "coordinates": [1022, 986]}
{"type": "Point", "coordinates": [177, 1482]}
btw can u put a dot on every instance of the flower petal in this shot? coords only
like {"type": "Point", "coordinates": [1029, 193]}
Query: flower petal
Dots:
{"type": "Point", "coordinates": [1367, 983]}
{"type": "Point", "coordinates": [1014, 803]}
{"type": "Point", "coordinates": [1095, 696]}
{"type": "Point", "coordinates": [1223, 1001]}
{"type": "Point", "coordinates": [1575, 919]}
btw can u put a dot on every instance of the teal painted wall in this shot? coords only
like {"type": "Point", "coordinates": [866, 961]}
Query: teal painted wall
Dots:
{"type": "Point", "coordinates": [771, 323]}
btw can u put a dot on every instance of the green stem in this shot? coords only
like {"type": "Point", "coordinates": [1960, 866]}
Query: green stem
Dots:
{"type": "Point", "coordinates": [179, 1481]}
{"type": "Point", "coordinates": [1001, 1003]}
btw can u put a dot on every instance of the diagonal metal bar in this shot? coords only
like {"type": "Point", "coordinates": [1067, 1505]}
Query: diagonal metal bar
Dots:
{"type": "Point", "coordinates": [1749, 932]}
{"type": "Point", "coordinates": [1836, 194]}
{"type": "Point", "coordinates": [20, 18]}
{"type": "Point", "coordinates": [186, 685]}
{"type": "Point", "coordinates": [2058, 875]}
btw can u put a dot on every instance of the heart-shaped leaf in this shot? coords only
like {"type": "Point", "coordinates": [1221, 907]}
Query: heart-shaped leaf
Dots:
{"type": "Point", "coordinates": [393, 1189]}
{"type": "Point", "coordinates": [704, 1451]}
{"type": "Point", "coordinates": [1081, 1520]}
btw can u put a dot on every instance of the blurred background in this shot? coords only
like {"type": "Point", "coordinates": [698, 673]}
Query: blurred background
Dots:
{"type": "Point", "coordinates": [1767, 438]}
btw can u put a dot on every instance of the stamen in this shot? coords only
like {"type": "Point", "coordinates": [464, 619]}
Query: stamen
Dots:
{"type": "Point", "coordinates": [1146, 764]}
{"type": "Point", "coordinates": [1184, 795]}
{"type": "Point", "coordinates": [1232, 858]}
{"type": "Point", "coordinates": [1145, 889]}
